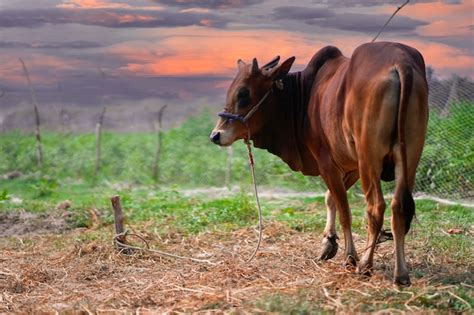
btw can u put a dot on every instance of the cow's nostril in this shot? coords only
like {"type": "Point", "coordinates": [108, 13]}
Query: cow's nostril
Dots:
{"type": "Point", "coordinates": [215, 137]}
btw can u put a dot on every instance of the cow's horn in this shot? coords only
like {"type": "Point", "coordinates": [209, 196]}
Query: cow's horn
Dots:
{"type": "Point", "coordinates": [255, 68]}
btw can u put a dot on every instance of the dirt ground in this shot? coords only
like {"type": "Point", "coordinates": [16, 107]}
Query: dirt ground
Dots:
{"type": "Point", "coordinates": [24, 223]}
{"type": "Point", "coordinates": [79, 272]}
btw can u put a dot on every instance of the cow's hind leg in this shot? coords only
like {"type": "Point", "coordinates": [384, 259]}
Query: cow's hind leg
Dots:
{"type": "Point", "coordinates": [329, 244]}
{"type": "Point", "coordinates": [403, 208]}
{"type": "Point", "coordinates": [370, 171]}
{"type": "Point", "coordinates": [403, 205]}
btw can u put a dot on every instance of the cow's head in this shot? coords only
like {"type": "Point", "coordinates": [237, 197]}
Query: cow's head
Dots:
{"type": "Point", "coordinates": [251, 88]}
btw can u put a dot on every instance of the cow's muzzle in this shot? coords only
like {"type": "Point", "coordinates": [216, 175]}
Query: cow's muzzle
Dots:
{"type": "Point", "coordinates": [215, 137]}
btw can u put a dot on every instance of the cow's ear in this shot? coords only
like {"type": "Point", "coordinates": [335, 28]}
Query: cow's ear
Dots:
{"type": "Point", "coordinates": [241, 64]}
{"type": "Point", "coordinates": [282, 70]}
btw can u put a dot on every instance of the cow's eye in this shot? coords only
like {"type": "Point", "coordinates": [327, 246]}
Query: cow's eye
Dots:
{"type": "Point", "coordinates": [243, 97]}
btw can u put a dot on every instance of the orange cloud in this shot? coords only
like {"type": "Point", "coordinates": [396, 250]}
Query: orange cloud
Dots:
{"type": "Point", "coordinates": [216, 52]}
{"type": "Point", "coordinates": [102, 4]}
{"type": "Point", "coordinates": [445, 59]}
{"type": "Point", "coordinates": [447, 28]}
{"type": "Point", "coordinates": [212, 52]}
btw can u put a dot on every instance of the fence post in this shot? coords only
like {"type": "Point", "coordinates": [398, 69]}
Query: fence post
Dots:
{"type": "Point", "coordinates": [64, 119]}
{"type": "Point", "coordinates": [159, 145]}
{"type": "Point", "coordinates": [98, 141]}
{"type": "Point", "coordinates": [39, 146]}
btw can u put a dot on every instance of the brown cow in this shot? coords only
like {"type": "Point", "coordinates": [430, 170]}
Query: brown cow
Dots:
{"type": "Point", "coordinates": [344, 119]}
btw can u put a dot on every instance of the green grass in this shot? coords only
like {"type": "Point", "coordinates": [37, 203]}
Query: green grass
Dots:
{"type": "Point", "coordinates": [169, 207]}
{"type": "Point", "coordinates": [189, 159]}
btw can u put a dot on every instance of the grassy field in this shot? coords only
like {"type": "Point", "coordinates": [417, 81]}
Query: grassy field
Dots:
{"type": "Point", "coordinates": [56, 229]}
{"type": "Point", "coordinates": [190, 160]}
{"type": "Point", "coordinates": [54, 258]}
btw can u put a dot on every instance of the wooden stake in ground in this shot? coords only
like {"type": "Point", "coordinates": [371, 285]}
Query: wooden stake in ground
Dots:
{"type": "Point", "coordinates": [119, 219]}
{"type": "Point", "coordinates": [98, 140]}
{"type": "Point", "coordinates": [39, 146]}
{"type": "Point", "coordinates": [159, 145]}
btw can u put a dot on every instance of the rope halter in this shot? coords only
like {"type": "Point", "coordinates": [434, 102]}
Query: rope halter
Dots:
{"type": "Point", "coordinates": [231, 117]}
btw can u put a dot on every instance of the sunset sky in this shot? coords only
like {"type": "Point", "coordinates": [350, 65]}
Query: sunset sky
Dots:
{"type": "Point", "coordinates": [184, 52]}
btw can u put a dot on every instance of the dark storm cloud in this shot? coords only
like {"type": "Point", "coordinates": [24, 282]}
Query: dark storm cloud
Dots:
{"type": "Point", "coordinates": [367, 23]}
{"type": "Point", "coordinates": [108, 18]}
{"type": "Point", "coordinates": [300, 13]}
{"type": "Point", "coordinates": [50, 45]}
{"type": "Point", "coordinates": [463, 42]}
{"type": "Point", "coordinates": [211, 4]}
{"type": "Point", "coordinates": [372, 3]}
{"type": "Point", "coordinates": [89, 89]}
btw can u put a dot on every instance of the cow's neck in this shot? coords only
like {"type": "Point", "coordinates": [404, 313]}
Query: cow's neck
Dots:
{"type": "Point", "coordinates": [286, 123]}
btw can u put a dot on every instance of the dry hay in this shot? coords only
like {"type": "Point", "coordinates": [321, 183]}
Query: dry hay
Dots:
{"type": "Point", "coordinates": [74, 274]}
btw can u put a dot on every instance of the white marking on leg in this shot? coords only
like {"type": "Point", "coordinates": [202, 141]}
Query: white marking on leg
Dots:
{"type": "Point", "coordinates": [330, 229]}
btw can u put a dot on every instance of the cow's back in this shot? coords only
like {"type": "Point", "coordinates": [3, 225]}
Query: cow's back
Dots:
{"type": "Point", "coordinates": [372, 60]}
{"type": "Point", "coordinates": [374, 79]}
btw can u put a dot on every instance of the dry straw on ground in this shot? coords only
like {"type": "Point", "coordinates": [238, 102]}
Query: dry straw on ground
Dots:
{"type": "Point", "coordinates": [80, 272]}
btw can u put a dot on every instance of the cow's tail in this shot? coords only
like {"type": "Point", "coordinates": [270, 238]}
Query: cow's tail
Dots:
{"type": "Point", "coordinates": [403, 191]}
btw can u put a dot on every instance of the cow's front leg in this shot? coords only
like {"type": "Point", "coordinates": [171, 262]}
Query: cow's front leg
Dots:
{"type": "Point", "coordinates": [330, 245]}
{"type": "Point", "coordinates": [338, 199]}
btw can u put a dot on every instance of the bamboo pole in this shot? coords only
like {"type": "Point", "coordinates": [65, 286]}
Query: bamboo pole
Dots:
{"type": "Point", "coordinates": [39, 146]}
{"type": "Point", "coordinates": [159, 145]}
{"type": "Point", "coordinates": [389, 19]}
{"type": "Point", "coordinates": [98, 141]}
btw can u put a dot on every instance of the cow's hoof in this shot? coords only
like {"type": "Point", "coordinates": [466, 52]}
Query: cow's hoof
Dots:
{"type": "Point", "coordinates": [350, 262]}
{"type": "Point", "coordinates": [330, 247]}
{"type": "Point", "coordinates": [385, 235]}
{"type": "Point", "coordinates": [365, 269]}
{"type": "Point", "coordinates": [402, 281]}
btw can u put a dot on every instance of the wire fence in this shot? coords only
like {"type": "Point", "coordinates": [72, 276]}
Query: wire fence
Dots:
{"type": "Point", "coordinates": [447, 167]}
